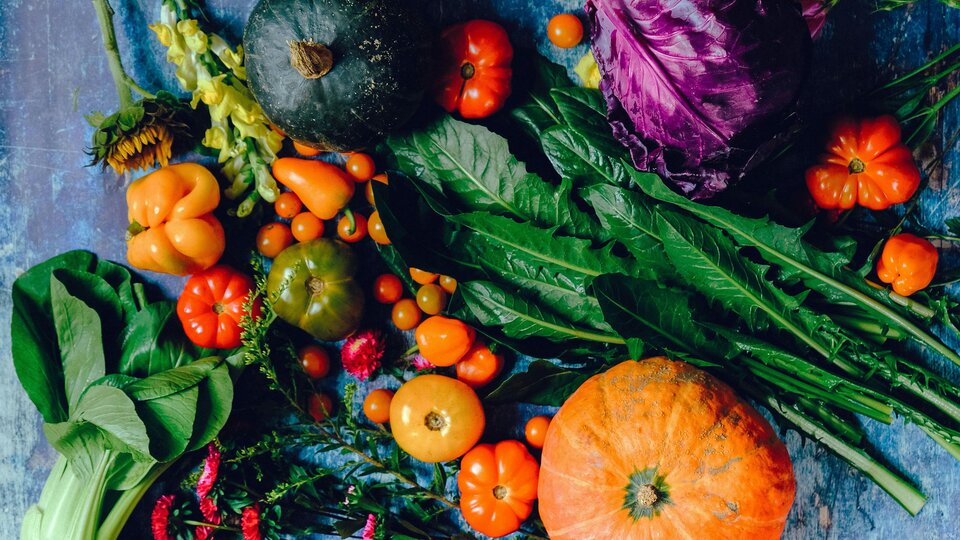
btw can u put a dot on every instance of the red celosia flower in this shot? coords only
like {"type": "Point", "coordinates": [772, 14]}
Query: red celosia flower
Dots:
{"type": "Point", "coordinates": [250, 522]}
{"type": "Point", "coordinates": [361, 353]}
{"type": "Point", "coordinates": [209, 475]}
{"type": "Point", "coordinates": [202, 533]}
{"type": "Point", "coordinates": [160, 517]}
{"type": "Point", "coordinates": [210, 511]}
{"type": "Point", "coordinates": [420, 363]}
{"type": "Point", "coordinates": [370, 529]}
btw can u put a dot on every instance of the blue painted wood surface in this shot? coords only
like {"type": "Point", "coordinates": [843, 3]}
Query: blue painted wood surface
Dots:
{"type": "Point", "coordinates": [52, 71]}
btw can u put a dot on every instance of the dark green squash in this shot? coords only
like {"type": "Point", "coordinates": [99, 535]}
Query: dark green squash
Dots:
{"type": "Point", "coordinates": [337, 74]}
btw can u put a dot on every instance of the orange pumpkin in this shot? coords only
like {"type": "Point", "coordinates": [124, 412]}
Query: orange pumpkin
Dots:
{"type": "Point", "coordinates": [660, 449]}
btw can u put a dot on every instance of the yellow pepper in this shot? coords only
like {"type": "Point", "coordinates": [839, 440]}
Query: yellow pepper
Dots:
{"type": "Point", "coordinates": [172, 226]}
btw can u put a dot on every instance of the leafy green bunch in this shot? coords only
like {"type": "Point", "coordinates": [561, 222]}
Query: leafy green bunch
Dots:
{"type": "Point", "coordinates": [592, 261]}
{"type": "Point", "coordinates": [122, 392]}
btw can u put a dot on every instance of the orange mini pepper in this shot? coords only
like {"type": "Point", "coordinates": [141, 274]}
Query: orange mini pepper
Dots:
{"type": "Point", "coordinates": [865, 164]}
{"type": "Point", "coordinates": [908, 263]}
{"type": "Point", "coordinates": [172, 226]}
{"type": "Point", "coordinates": [322, 187]}
{"type": "Point", "coordinates": [444, 341]}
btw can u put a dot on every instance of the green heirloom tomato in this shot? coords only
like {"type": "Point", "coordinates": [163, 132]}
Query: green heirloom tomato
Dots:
{"type": "Point", "coordinates": [314, 288]}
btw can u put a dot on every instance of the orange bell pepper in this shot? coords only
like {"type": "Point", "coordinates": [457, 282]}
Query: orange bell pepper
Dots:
{"type": "Point", "coordinates": [865, 164]}
{"type": "Point", "coordinates": [908, 263]}
{"type": "Point", "coordinates": [323, 188]}
{"type": "Point", "coordinates": [444, 341]}
{"type": "Point", "coordinates": [172, 227]}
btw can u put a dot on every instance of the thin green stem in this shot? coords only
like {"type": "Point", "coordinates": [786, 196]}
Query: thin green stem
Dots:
{"type": "Point", "coordinates": [121, 80]}
{"type": "Point", "coordinates": [193, 523]}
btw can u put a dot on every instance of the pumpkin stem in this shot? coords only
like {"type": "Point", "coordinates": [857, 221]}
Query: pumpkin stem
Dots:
{"type": "Point", "coordinates": [856, 166]}
{"type": "Point", "coordinates": [434, 421]}
{"type": "Point", "coordinates": [311, 60]}
{"type": "Point", "coordinates": [315, 285]}
{"type": "Point", "coordinates": [647, 496]}
{"type": "Point", "coordinates": [499, 492]}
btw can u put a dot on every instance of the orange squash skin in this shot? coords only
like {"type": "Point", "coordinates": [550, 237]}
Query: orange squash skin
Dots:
{"type": "Point", "coordinates": [725, 472]}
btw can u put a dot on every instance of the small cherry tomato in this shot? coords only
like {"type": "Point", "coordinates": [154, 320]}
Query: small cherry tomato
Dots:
{"type": "Point", "coordinates": [406, 315]}
{"type": "Point", "coordinates": [387, 289]}
{"type": "Point", "coordinates": [536, 430]}
{"type": "Point", "coordinates": [361, 167]}
{"type": "Point", "coordinates": [431, 299]}
{"type": "Point", "coordinates": [479, 366]}
{"type": "Point", "coordinates": [435, 418]}
{"type": "Point", "coordinates": [304, 150]}
{"type": "Point", "coordinates": [273, 238]}
{"type": "Point", "coordinates": [377, 405]}
{"type": "Point", "coordinates": [443, 341]}
{"type": "Point", "coordinates": [448, 284]}
{"type": "Point", "coordinates": [423, 277]}
{"type": "Point", "coordinates": [376, 230]}
{"type": "Point", "coordinates": [306, 226]}
{"type": "Point", "coordinates": [320, 406]}
{"type": "Point", "coordinates": [359, 229]}
{"type": "Point", "coordinates": [908, 263]}
{"type": "Point", "coordinates": [287, 205]}
{"type": "Point", "coordinates": [498, 486]}
{"type": "Point", "coordinates": [382, 178]}
{"type": "Point", "coordinates": [315, 361]}
{"type": "Point", "coordinates": [565, 30]}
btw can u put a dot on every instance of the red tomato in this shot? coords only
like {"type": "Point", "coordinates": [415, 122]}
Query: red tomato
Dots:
{"type": "Point", "coordinates": [498, 485]}
{"type": "Point", "coordinates": [479, 366]}
{"type": "Point", "coordinates": [287, 205]}
{"type": "Point", "coordinates": [387, 289]}
{"type": "Point", "coordinates": [315, 361]}
{"type": "Point", "coordinates": [211, 306]}
{"type": "Point", "coordinates": [475, 70]}
{"type": "Point", "coordinates": [320, 406]}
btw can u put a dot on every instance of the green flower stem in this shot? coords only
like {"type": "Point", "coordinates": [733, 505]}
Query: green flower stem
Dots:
{"type": "Point", "coordinates": [121, 79]}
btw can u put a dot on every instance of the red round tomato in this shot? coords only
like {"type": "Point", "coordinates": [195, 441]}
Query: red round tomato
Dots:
{"type": "Point", "coordinates": [480, 366]}
{"type": "Point", "coordinates": [320, 406]}
{"type": "Point", "coordinates": [387, 289]}
{"type": "Point", "coordinates": [315, 361]}
{"type": "Point", "coordinates": [287, 205]}
{"type": "Point", "coordinates": [361, 167]}
{"type": "Point", "coordinates": [355, 233]}
{"type": "Point", "coordinates": [212, 304]}
{"type": "Point", "coordinates": [273, 238]}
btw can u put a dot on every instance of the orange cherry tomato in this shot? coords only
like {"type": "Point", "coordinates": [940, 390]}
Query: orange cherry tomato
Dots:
{"type": "Point", "coordinates": [320, 406]}
{"type": "Point", "coordinates": [443, 341]}
{"type": "Point", "coordinates": [498, 485]}
{"type": "Point", "coordinates": [382, 178]}
{"type": "Point", "coordinates": [448, 284]}
{"type": "Point", "coordinates": [361, 166]}
{"type": "Point", "coordinates": [323, 188]}
{"type": "Point", "coordinates": [536, 430]}
{"type": "Point", "coordinates": [565, 30]}
{"type": "Point", "coordinates": [287, 205]}
{"type": "Point", "coordinates": [431, 299]}
{"type": "Point", "coordinates": [423, 277]}
{"type": "Point", "coordinates": [358, 232]}
{"type": "Point", "coordinates": [315, 361]}
{"type": "Point", "coordinates": [273, 238]}
{"type": "Point", "coordinates": [479, 366]}
{"type": "Point", "coordinates": [306, 226]}
{"type": "Point", "coordinates": [435, 418]}
{"type": "Point", "coordinates": [304, 150]}
{"type": "Point", "coordinates": [908, 263]}
{"type": "Point", "coordinates": [865, 164]}
{"type": "Point", "coordinates": [377, 405]}
{"type": "Point", "coordinates": [375, 227]}
{"type": "Point", "coordinates": [406, 315]}
{"type": "Point", "coordinates": [387, 289]}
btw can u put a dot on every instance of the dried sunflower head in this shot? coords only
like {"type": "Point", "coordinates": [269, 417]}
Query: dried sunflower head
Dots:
{"type": "Point", "coordinates": [139, 136]}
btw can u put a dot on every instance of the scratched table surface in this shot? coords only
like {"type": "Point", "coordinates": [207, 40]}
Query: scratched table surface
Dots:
{"type": "Point", "coordinates": [52, 72]}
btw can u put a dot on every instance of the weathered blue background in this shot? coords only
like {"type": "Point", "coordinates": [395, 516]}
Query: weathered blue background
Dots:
{"type": "Point", "coordinates": [52, 71]}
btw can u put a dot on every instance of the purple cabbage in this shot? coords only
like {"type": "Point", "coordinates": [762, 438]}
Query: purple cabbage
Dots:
{"type": "Point", "coordinates": [699, 90]}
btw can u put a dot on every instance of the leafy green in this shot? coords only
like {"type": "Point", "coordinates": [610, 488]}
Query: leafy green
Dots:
{"type": "Point", "coordinates": [543, 383]}
{"type": "Point", "coordinates": [538, 111]}
{"type": "Point", "coordinates": [80, 341]}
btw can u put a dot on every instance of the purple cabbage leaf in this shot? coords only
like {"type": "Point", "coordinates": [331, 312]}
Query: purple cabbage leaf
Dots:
{"type": "Point", "coordinates": [700, 91]}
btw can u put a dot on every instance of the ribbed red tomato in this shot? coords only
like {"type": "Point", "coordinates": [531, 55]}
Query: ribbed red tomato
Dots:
{"type": "Point", "coordinates": [212, 304]}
